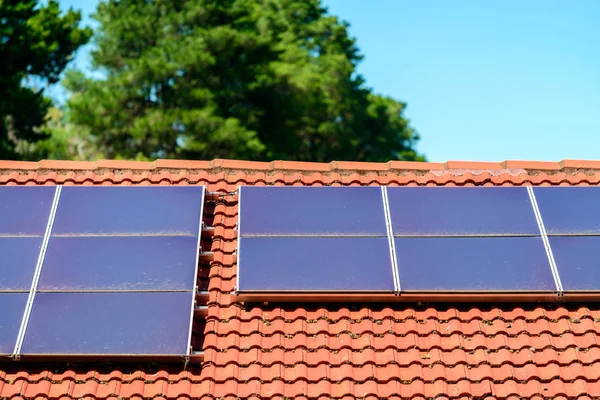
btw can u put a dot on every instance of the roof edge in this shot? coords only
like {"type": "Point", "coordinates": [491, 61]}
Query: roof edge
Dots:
{"type": "Point", "coordinates": [298, 166]}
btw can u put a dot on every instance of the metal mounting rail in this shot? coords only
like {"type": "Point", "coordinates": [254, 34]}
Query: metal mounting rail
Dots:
{"type": "Point", "coordinates": [390, 236]}
{"type": "Point", "coordinates": [201, 311]}
{"type": "Point", "coordinates": [36, 274]}
{"type": "Point", "coordinates": [219, 196]}
{"type": "Point", "coordinates": [206, 256]}
{"type": "Point", "coordinates": [544, 235]}
{"type": "Point", "coordinates": [196, 357]}
{"type": "Point", "coordinates": [208, 231]}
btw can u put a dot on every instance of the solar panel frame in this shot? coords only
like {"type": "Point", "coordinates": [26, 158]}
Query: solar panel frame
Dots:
{"type": "Point", "coordinates": [196, 266]}
{"type": "Point", "coordinates": [391, 242]}
{"type": "Point", "coordinates": [238, 242]}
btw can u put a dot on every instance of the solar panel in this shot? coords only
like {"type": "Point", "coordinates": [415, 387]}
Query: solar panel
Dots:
{"type": "Point", "coordinates": [311, 211]}
{"type": "Point", "coordinates": [315, 264]}
{"type": "Point", "coordinates": [118, 276]}
{"type": "Point", "coordinates": [578, 262]}
{"type": "Point", "coordinates": [24, 210]}
{"type": "Point", "coordinates": [18, 259]}
{"type": "Point", "coordinates": [505, 264]}
{"type": "Point", "coordinates": [120, 263]}
{"type": "Point", "coordinates": [151, 323]}
{"type": "Point", "coordinates": [126, 211]}
{"type": "Point", "coordinates": [12, 306]}
{"type": "Point", "coordinates": [569, 210]}
{"type": "Point", "coordinates": [464, 211]}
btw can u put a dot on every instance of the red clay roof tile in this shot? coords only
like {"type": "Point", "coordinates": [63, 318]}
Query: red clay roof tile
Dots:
{"type": "Point", "coordinates": [499, 351]}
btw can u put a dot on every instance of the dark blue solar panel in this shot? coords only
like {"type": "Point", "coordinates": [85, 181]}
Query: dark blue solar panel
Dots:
{"type": "Point", "coordinates": [12, 307]}
{"type": "Point", "coordinates": [327, 211]}
{"type": "Point", "coordinates": [18, 259]}
{"type": "Point", "coordinates": [24, 210]}
{"type": "Point", "coordinates": [129, 210]}
{"type": "Point", "coordinates": [578, 262]}
{"type": "Point", "coordinates": [464, 211]}
{"type": "Point", "coordinates": [569, 210]}
{"type": "Point", "coordinates": [151, 323]}
{"type": "Point", "coordinates": [120, 263]}
{"type": "Point", "coordinates": [506, 264]}
{"type": "Point", "coordinates": [315, 264]}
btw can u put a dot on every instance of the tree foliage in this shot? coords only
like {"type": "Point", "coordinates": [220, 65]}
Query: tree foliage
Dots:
{"type": "Point", "coordinates": [62, 140]}
{"type": "Point", "coordinates": [36, 42]}
{"type": "Point", "coordinates": [249, 79]}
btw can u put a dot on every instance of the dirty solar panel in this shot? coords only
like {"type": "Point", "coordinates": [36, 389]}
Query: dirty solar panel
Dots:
{"type": "Point", "coordinates": [18, 259]}
{"type": "Point", "coordinates": [24, 210]}
{"type": "Point", "coordinates": [120, 263]}
{"type": "Point", "coordinates": [569, 210]}
{"type": "Point", "coordinates": [578, 262]}
{"type": "Point", "coordinates": [488, 264]}
{"type": "Point", "coordinates": [315, 264]}
{"type": "Point", "coordinates": [311, 211]}
{"type": "Point", "coordinates": [151, 323]}
{"type": "Point", "coordinates": [135, 210]}
{"type": "Point", "coordinates": [461, 211]}
{"type": "Point", "coordinates": [12, 306]}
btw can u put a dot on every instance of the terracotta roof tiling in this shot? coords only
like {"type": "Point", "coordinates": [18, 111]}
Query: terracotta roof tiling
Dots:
{"type": "Point", "coordinates": [321, 351]}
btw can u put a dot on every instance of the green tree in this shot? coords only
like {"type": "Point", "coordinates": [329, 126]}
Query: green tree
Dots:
{"type": "Point", "coordinates": [63, 141]}
{"type": "Point", "coordinates": [250, 79]}
{"type": "Point", "coordinates": [36, 42]}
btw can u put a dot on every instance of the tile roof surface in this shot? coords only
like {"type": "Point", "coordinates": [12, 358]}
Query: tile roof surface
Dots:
{"type": "Point", "coordinates": [316, 351]}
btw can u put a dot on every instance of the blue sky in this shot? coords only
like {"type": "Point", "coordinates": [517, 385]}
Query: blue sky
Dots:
{"type": "Point", "coordinates": [484, 80]}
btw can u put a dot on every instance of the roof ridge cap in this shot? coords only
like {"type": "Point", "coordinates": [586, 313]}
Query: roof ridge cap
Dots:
{"type": "Point", "coordinates": [296, 166]}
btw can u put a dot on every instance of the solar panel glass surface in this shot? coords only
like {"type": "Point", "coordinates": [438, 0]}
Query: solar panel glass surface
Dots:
{"type": "Point", "coordinates": [24, 210]}
{"type": "Point", "coordinates": [151, 323]}
{"type": "Point", "coordinates": [120, 263]}
{"type": "Point", "coordinates": [461, 211]}
{"type": "Point", "coordinates": [315, 264]}
{"type": "Point", "coordinates": [578, 262]}
{"type": "Point", "coordinates": [129, 210]}
{"type": "Point", "coordinates": [505, 264]}
{"type": "Point", "coordinates": [569, 210]}
{"type": "Point", "coordinates": [12, 307]}
{"type": "Point", "coordinates": [18, 259]}
{"type": "Point", "coordinates": [311, 211]}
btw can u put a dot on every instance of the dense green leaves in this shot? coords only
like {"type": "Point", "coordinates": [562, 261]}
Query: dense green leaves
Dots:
{"type": "Point", "coordinates": [36, 42]}
{"type": "Point", "coordinates": [249, 79]}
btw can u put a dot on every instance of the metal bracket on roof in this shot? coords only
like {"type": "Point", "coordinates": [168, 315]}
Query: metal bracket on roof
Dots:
{"type": "Point", "coordinates": [207, 231]}
{"type": "Point", "coordinates": [201, 311]}
{"type": "Point", "coordinates": [216, 196]}
{"type": "Point", "coordinates": [196, 357]}
{"type": "Point", "coordinates": [206, 256]}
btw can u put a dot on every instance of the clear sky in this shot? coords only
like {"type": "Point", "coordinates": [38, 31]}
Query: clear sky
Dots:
{"type": "Point", "coordinates": [484, 80]}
